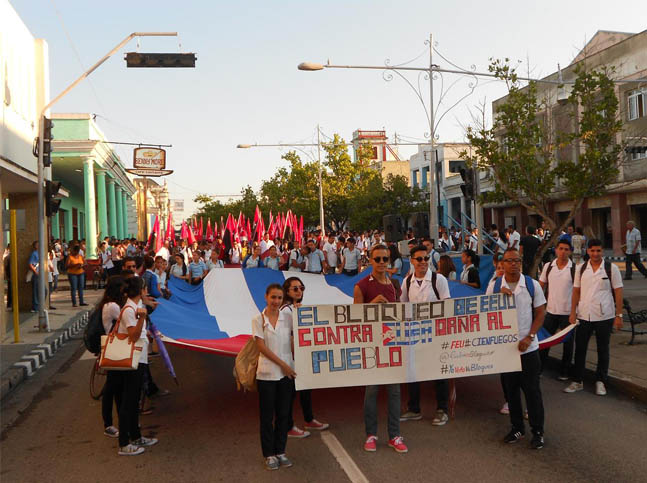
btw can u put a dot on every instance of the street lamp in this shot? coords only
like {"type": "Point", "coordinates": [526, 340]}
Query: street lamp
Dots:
{"type": "Point", "coordinates": [43, 321]}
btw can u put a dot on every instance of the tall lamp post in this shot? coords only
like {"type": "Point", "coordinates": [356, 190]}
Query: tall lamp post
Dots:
{"type": "Point", "coordinates": [43, 322]}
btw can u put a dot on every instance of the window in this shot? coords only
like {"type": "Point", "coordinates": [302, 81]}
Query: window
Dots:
{"type": "Point", "coordinates": [635, 156]}
{"type": "Point", "coordinates": [636, 103]}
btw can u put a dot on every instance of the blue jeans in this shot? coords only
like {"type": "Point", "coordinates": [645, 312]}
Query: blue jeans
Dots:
{"type": "Point", "coordinates": [393, 409]}
{"type": "Point", "coordinates": [76, 285]}
{"type": "Point", "coordinates": [34, 292]}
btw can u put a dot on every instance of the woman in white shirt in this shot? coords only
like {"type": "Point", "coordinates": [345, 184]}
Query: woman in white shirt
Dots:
{"type": "Point", "coordinates": [132, 321]}
{"type": "Point", "coordinates": [179, 269]}
{"type": "Point", "coordinates": [214, 260]}
{"type": "Point", "coordinates": [272, 261]}
{"type": "Point", "coordinates": [275, 374]}
{"type": "Point", "coordinates": [110, 307]}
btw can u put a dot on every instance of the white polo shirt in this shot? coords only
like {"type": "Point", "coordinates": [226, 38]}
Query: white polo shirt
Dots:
{"type": "Point", "coordinates": [632, 237]}
{"type": "Point", "coordinates": [596, 300]}
{"type": "Point", "coordinates": [514, 236]}
{"type": "Point", "coordinates": [525, 305]}
{"type": "Point", "coordinates": [278, 340]}
{"type": "Point", "coordinates": [423, 290]}
{"type": "Point", "coordinates": [560, 288]}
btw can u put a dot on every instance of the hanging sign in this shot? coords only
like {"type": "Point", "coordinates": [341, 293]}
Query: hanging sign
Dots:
{"type": "Point", "coordinates": [149, 158]}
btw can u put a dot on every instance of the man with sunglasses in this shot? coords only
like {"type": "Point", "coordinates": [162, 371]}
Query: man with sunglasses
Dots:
{"type": "Point", "coordinates": [531, 305]}
{"type": "Point", "coordinates": [425, 286]}
{"type": "Point", "coordinates": [377, 288]}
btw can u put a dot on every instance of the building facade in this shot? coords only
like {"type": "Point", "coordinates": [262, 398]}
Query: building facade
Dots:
{"type": "Point", "coordinates": [604, 217]}
{"type": "Point", "coordinates": [386, 158]}
{"type": "Point", "coordinates": [154, 196]}
{"type": "Point", "coordinates": [101, 192]}
{"type": "Point", "coordinates": [24, 90]}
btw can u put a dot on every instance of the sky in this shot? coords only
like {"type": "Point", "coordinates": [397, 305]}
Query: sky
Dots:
{"type": "Point", "coordinates": [246, 87]}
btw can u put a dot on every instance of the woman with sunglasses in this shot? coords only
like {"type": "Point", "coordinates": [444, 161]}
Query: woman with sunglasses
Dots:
{"type": "Point", "coordinates": [272, 331]}
{"type": "Point", "coordinates": [293, 290]}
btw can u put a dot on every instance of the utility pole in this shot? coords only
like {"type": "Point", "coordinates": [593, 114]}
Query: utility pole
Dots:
{"type": "Point", "coordinates": [433, 191]}
{"type": "Point", "coordinates": [321, 206]}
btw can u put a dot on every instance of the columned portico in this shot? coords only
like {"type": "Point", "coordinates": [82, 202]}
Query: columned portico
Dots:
{"type": "Point", "coordinates": [120, 213]}
{"type": "Point", "coordinates": [112, 209]}
{"type": "Point", "coordinates": [90, 208]}
{"type": "Point", "coordinates": [102, 205]}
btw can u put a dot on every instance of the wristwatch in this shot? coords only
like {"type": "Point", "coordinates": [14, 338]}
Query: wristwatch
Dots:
{"type": "Point", "coordinates": [620, 315]}
{"type": "Point", "coordinates": [532, 336]}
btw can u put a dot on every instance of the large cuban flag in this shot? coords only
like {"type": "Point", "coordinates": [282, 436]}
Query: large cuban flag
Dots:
{"type": "Point", "coordinates": [216, 315]}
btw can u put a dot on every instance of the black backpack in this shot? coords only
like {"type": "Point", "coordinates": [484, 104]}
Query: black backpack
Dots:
{"type": "Point", "coordinates": [434, 277]}
{"type": "Point", "coordinates": [93, 332]}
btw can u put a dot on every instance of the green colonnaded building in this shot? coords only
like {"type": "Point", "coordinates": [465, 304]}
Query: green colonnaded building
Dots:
{"type": "Point", "coordinates": [101, 193]}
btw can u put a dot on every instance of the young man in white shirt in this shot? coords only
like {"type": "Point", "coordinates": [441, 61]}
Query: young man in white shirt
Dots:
{"type": "Point", "coordinates": [514, 238]}
{"type": "Point", "coordinates": [597, 304]}
{"type": "Point", "coordinates": [632, 252]}
{"type": "Point", "coordinates": [164, 252]}
{"type": "Point", "coordinates": [473, 242]}
{"type": "Point", "coordinates": [530, 318]}
{"type": "Point", "coordinates": [266, 243]}
{"type": "Point", "coordinates": [330, 250]}
{"type": "Point", "coordinates": [425, 286]}
{"type": "Point", "coordinates": [351, 257]}
{"type": "Point", "coordinates": [557, 282]}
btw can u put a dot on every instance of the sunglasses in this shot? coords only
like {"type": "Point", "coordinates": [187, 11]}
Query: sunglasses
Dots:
{"type": "Point", "coordinates": [421, 259]}
{"type": "Point", "coordinates": [298, 287]}
{"type": "Point", "coordinates": [381, 259]}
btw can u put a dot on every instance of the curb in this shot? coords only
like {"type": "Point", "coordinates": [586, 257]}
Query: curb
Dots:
{"type": "Point", "coordinates": [623, 259]}
{"type": "Point", "coordinates": [34, 360]}
{"type": "Point", "coordinates": [623, 385]}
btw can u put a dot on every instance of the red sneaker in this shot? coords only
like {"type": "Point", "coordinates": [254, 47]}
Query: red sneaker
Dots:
{"type": "Point", "coordinates": [316, 425]}
{"type": "Point", "coordinates": [371, 443]}
{"type": "Point", "coordinates": [397, 444]}
{"type": "Point", "coordinates": [298, 433]}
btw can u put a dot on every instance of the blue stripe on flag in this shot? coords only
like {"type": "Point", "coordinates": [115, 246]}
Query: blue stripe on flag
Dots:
{"type": "Point", "coordinates": [257, 280]}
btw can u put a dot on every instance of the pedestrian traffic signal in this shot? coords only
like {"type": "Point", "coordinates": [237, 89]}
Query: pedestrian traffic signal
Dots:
{"type": "Point", "coordinates": [468, 182]}
{"type": "Point", "coordinates": [136, 59]}
{"type": "Point", "coordinates": [47, 142]}
{"type": "Point", "coordinates": [52, 203]}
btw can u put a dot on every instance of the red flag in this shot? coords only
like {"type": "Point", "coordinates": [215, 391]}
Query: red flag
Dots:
{"type": "Point", "coordinates": [158, 235]}
{"type": "Point", "coordinates": [270, 228]}
{"type": "Point", "coordinates": [257, 215]}
{"type": "Point", "coordinates": [300, 231]}
{"type": "Point", "coordinates": [169, 235]}
{"type": "Point", "coordinates": [222, 228]}
{"type": "Point", "coordinates": [192, 232]}
{"type": "Point", "coordinates": [200, 231]}
{"type": "Point", "coordinates": [184, 232]}
{"type": "Point", "coordinates": [249, 229]}
{"type": "Point", "coordinates": [209, 232]}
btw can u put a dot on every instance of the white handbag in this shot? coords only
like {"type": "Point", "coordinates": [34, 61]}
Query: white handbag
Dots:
{"type": "Point", "coordinates": [118, 353]}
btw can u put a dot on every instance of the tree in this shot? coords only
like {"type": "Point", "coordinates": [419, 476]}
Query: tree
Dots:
{"type": "Point", "coordinates": [523, 151]}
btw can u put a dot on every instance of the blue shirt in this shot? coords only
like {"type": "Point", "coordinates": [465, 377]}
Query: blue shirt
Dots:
{"type": "Point", "coordinates": [315, 260]}
{"type": "Point", "coordinates": [197, 269]}
{"type": "Point", "coordinates": [33, 258]}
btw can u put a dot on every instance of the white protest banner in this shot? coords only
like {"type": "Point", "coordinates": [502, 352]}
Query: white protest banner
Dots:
{"type": "Point", "coordinates": [362, 344]}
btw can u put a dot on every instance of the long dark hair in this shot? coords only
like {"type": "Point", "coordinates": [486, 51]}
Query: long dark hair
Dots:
{"type": "Point", "coordinates": [394, 253]}
{"type": "Point", "coordinates": [474, 258]}
{"type": "Point", "coordinates": [287, 298]}
{"type": "Point", "coordinates": [115, 292]}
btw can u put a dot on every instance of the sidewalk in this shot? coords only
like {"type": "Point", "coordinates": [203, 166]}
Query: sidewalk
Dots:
{"type": "Point", "coordinates": [627, 368]}
{"type": "Point", "coordinates": [18, 361]}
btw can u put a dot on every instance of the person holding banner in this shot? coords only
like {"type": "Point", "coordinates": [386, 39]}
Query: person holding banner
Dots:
{"type": "Point", "coordinates": [425, 286]}
{"type": "Point", "coordinates": [531, 305]}
{"type": "Point", "coordinates": [377, 288]}
{"type": "Point", "coordinates": [275, 374]}
{"type": "Point", "coordinates": [293, 290]}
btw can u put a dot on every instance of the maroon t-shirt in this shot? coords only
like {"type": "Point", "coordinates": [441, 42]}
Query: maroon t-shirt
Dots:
{"type": "Point", "coordinates": [371, 288]}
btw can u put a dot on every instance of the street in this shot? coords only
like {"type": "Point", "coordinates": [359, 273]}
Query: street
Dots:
{"type": "Point", "coordinates": [209, 432]}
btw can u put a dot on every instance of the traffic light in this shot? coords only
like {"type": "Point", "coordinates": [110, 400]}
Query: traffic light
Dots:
{"type": "Point", "coordinates": [468, 183]}
{"type": "Point", "coordinates": [136, 59]}
{"type": "Point", "coordinates": [47, 142]}
{"type": "Point", "coordinates": [52, 203]}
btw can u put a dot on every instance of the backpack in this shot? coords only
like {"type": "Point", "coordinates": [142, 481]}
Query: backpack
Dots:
{"type": "Point", "coordinates": [607, 270]}
{"type": "Point", "coordinates": [93, 332]}
{"type": "Point", "coordinates": [530, 286]}
{"type": "Point", "coordinates": [245, 366]}
{"type": "Point", "coordinates": [433, 260]}
{"type": "Point", "coordinates": [550, 267]}
{"type": "Point", "coordinates": [434, 277]}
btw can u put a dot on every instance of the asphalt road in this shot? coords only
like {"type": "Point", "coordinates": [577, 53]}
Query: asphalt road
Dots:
{"type": "Point", "coordinates": [209, 432]}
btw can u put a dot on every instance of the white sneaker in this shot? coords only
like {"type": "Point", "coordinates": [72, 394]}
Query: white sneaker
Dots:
{"type": "Point", "coordinates": [600, 390]}
{"type": "Point", "coordinates": [130, 450]}
{"type": "Point", "coordinates": [574, 387]}
{"type": "Point", "coordinates": [111, 432]}
{"type": "Point", "coordinates": [504, 409]}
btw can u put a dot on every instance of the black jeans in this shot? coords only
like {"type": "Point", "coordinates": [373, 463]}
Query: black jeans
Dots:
{"type": "Point", "coordinates": [442, 395]}
{"type": "Point", "coordinates": [528, 380]}
{"type": "Point", "coordinates": [631, 260]}
{"type": "Point", "coordinates": [129, 407]}
{"type": "Point", "coordinates": [149, 387]}
{"type": "Point", "coordinates": [602, 329]}
{"type": "Point", "coordinates": [553, 323]}
{"type": "Point", "coordinates": [112, 391]}
{"type": "Point", "coordinates": [306, 406]}
{"type": "Point", "coordinates": [275, 403]}
{"type": "Point", "coordinates": [350, 273]}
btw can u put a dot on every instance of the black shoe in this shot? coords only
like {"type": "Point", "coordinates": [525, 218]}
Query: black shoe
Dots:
{"type": "Point", "coordinates": [628, 278]}
{"type": "Point", "coordinates": [537, 441]}
{"type": "Point", "coordinates": [83, 304]}
{"type": "Point", "coordinates": [52, 308]}
{"type": "Point", "coordinates": [513, 436]}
